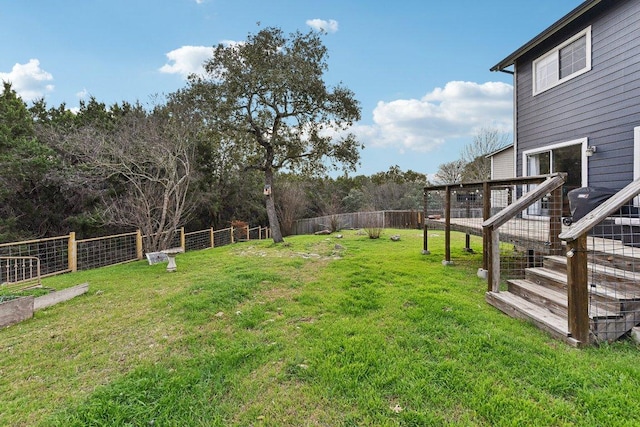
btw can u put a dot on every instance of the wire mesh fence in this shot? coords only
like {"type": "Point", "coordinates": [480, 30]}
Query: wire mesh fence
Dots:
{"type": "Point", "coordinates": [28, 260]}
{"type": "Point", "coordinates": [109, 250]}
{"type": "Point", "coordinates": [529, 238]}
{"type": "Point", "coordinates": [464, 207]}
{"type": "Point", "coordinates": [613, 267]}
{"type": "Point", "coordinates": [52, 253]}
{"type": "Point", "coordinates": [197, 240]}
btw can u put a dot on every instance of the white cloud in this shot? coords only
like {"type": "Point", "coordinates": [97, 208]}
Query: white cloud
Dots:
{"type": "Point", "coordinates": [455, 111]}
{"type": "Point", "coordinates": [83, 94]}
{"type": "Point", "coordinates": [187, 60]}
{"type": "Point", "coordinates": [29, 80]}
{"type": "Point", "coordinates": [330, 26]}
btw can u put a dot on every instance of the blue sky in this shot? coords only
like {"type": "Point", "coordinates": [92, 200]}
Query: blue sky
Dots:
{"type": "Point", "coordinates": [420, 68]}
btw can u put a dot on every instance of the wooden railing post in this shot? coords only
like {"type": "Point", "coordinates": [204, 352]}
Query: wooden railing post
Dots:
{"type": "Point", "coordinates": [447, 226]}
{"type": "Point", "coordinates": [425, 238]}
{"type": "Point", "coordinates": [577, 289]}
{"type": "Point", "coordinates": [486, 214]}
{"type": "Point", "coordinates": [183, 242]}
{"type": "Point", "coordinates": [212, 237]}
{"type": "Point", "coordinates": [72, 252]}
{"type": "Point", "coordinates": [231, 230]}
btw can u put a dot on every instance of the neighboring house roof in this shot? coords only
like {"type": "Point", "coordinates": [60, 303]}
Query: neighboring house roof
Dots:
{"type": "Point", "coordinates": [499, 150]}
{"type": "Point", "coordinates": [549, 32]}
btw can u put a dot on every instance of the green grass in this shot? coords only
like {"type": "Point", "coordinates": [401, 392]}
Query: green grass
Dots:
{"type": "Point", "coordinates": [371, 334]}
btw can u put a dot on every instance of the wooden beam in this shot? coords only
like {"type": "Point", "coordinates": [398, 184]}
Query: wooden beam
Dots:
{"type": "Point", "coordinates": [447, 225]}
{"type": "Point", "coordinates": [577, 289]}
{"type": "Point", "coordinates": [486, 214]}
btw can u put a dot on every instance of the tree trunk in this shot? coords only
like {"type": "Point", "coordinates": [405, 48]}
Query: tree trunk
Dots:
{"type": "Point", "coordinates": [274, 224]}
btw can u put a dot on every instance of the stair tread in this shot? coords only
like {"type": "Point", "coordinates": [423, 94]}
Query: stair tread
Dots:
{"type": "Point", "coordinates": [533, 311]}
{"type": "Point", "coordinates": [611, 290]}
{"type": "Point", "coordinates": [554, 295]}
{"type": "Point", "coordinates": [559, 298]}
{"type": "Point", "coordinates": [549, 273]}
{"type": "Point", "coordinates": [602, 269]}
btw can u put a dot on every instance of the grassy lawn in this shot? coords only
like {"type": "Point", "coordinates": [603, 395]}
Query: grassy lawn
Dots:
{"type": "Point", "coordinates": [369, 333]}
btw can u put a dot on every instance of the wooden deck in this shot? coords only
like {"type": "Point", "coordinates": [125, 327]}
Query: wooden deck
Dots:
{"type": "Point", "coordinates": [534, 234]}
{"type": "Point", "coordinates": [541, 297]}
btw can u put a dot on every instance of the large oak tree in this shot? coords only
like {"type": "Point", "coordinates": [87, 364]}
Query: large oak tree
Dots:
{"type": "Point", "coordinates": [268, 96]}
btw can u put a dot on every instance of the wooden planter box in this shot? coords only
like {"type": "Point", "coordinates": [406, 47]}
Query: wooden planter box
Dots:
{"type": "Point", "coordinates": [19, 309]}
{"type": "Point", "coordinates": [16, 310]}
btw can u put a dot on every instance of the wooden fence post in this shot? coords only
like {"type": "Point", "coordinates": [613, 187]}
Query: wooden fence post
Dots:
{"type": "Point", "coordinates": [231, 234]}
{"type": "Point", "coordinates": [447, 225]}
{"type": "Point", "coordinates": [72, 252]}
{"type": "Point", "coordinates": [182, 239]}
{"type": "Point", "coordinates": [139, 244]}
{"type": "Point", "coordinates": [486, 214]}
{"type": "Point", "coordinates": [212, 237]}
{"type": "Point", "coordinates": [248, 236]}
{"type": "Point", "coordinates": [577, 291]}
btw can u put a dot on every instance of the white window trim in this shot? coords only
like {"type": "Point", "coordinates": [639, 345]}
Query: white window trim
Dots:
{"type": "Point", "coordinates": [585, 160]}
{"type": "Point", "coordinates": [636, 153]}
{"type": "Point", "coordinates": [584, 142]}
{"type": "Point", "coordinates": [586, 32]}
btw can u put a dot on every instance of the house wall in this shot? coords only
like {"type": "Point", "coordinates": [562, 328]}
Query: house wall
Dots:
{"type": "Point", "coordinates": [602, 105]}
{"type": "Point", "coordinates": [502, 164]}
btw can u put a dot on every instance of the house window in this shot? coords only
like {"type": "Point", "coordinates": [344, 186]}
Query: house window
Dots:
{"type": "Point", "coordinates": [566, 157]}
{"type": "Point", "coordinates": [564, 62]}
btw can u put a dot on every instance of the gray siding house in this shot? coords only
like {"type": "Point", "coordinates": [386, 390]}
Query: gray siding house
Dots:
{"type": "Point", "coordinates": [577, 96]}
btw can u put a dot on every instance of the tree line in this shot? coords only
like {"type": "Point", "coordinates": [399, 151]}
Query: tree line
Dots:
{"type": "Point", "coordinates": [110, 169]}
{"type": "Point", "coordinates": [255, 139]}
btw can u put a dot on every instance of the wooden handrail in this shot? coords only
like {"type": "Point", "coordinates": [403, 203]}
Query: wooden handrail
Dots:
{"type": "Point", "coordinates": [496, 182]}
{"type": "Point", "coordinates": [601, 212]}
{"type": "Point", "coordinates": [525, 201]}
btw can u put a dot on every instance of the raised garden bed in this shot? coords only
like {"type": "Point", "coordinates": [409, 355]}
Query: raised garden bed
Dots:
{"type": "Point", "coordinates": [15, 309]}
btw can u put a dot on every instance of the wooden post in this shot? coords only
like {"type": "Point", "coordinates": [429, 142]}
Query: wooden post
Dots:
{"type": "Point", "coordinates": [555, 221]}
{"type": "Point", "coordinates": [467, 242]}
{"type": "Point", "coordinates": [182, 239]}
{"type": "Point", "coordinates": [212, 237]}
{"type": "Point", "coordinates": [139, 249]}
{"type": "Point", "coordinates": [577, 289]}
{"type": "Point", "coordinates": [72, 251]}
{"type": "Point", "coordinates": [447, 225]}
{"type": "Point", "coordinates": [486, 214]}
{"type": "Point", "coordinates": [231, 234]}
{"type": "Point", "coordinates": [425, 238]}
{"type": "Point", "coordinates": [248, 237]}
{"type": "Point", "coordinates": [494, 266]}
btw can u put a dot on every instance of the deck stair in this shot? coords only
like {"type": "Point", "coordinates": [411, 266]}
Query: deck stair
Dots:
{"type": "Point", "coordinates": [541, 297]}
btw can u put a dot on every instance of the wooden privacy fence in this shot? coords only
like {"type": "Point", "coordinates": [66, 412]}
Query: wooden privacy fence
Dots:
{"type": "Point", "coordinates": [378, 219]}
{"type": "Point", "coordinates": [32, 259]}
